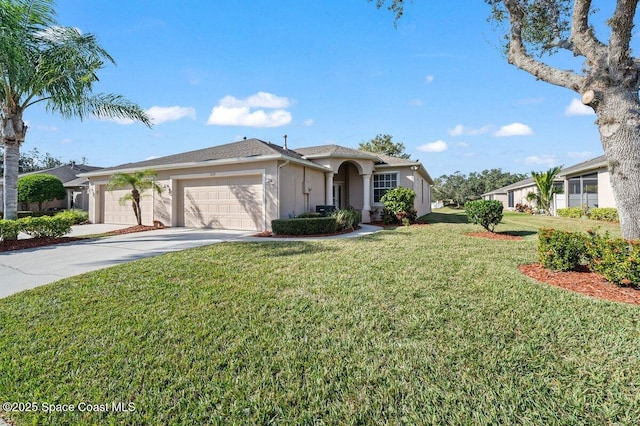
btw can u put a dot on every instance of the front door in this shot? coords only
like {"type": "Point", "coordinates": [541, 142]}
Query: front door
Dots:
{"type": "Point", "coordinates": [338, 195]}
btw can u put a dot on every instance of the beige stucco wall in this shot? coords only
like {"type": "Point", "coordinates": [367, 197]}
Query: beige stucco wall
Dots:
{"type": "Point", "coordinates": [520, 195]}
{"type": "Point", "coordinates": [605, 192]}
{"type": "Point", "coordinates": [294, 198]}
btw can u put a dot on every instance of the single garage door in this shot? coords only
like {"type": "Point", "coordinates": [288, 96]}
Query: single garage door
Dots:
{"type": "Point", "coordinates": [117, 214]}
{"type": "Point", "coordinates": [225, 203]}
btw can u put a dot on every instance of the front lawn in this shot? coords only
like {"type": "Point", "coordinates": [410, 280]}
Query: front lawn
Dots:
{"type": "Point", "coordinates": [417, 325]}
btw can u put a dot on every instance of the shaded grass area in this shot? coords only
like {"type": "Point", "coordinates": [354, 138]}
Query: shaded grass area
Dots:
{"type": "Point", "coordinates": [416, 325]}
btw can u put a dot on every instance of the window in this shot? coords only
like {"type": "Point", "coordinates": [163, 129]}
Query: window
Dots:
{"type": "Point", "coordinates": [383, 182]}
{"type": "Point", "coordinates": [511, 199]}
{"type": "Point", "coordinates": [583, 191]}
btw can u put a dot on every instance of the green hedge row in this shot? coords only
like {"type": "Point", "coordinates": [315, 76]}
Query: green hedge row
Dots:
{"type": "Point", "coordinates": [617, 259]}
{"type": "Point", "coordinates": [304, 226]}
{"type": "Point", "coordinates": [609, 214]}
{"type": "Point", "coordinates": [37, 227]}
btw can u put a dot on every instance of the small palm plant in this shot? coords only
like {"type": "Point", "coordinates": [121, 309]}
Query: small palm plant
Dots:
{"type": "Point", "coordinates": [546, 188]}
{"type": "Point", "coordinates": [139, 182]}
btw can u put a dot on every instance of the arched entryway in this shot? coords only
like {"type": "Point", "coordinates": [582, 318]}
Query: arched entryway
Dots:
{"type": "Point", "coordinates": [347, 188]}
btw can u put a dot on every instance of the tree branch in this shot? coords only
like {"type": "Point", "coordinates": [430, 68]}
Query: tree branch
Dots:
{"type": "Point", "coordinates": [519, 57]}
{"type": "Point", "coordinates": [582, 37]}
{"type": "Point", "coordinates": [621, 27]}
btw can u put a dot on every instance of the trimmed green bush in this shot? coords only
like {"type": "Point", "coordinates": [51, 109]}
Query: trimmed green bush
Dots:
{"type": "Point", "coordinates": [608, 214]}
{"type": "Point", "coordinates": [40, 188]}
{"type": "Point", "coordinates": [617, 259]}
{"type": "Point", "coordinates": [574, 212]}
{"type": "Point", "coordinates": [9, 229]}
{"type": "Point", "coordinates": [561, 250]}
{"type": "Point", "coordinates": [76, 216]}
{"type": "Point", "coordinates": [310, 226]}
{"type": "Point", "coordinates": [308, 215]}
{"type": "Point", "coordinates": [487, 213]}
{"type": "Point", "coordinates": [347, 219]}
{"type": "Point", "coordinates": [46, 226]}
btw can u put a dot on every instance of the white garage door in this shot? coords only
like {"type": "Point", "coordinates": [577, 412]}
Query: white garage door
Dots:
{"type": "Point", "coordinates": [117, 214]}
{"type": "Point", "coordinates": [226, 203]}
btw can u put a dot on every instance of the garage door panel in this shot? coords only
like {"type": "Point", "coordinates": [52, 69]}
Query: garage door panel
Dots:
{"type": "Point", "coordinates": [115, 213]}
{"type": "Point", "coordinates": [226, 203]}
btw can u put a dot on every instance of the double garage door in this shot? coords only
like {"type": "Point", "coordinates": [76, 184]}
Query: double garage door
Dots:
{"type": "Point", "coordinates": [235, 202]}
{"type": "Point", "coordinates": [224, 202]}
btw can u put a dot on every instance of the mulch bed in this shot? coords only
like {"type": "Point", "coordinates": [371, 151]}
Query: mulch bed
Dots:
{"type": "Point", "coordinates": [28, 243]}
{"type": "Point", "coordinates": [584, 282]}
{"type": "Point", "coordinates": [495, 236]}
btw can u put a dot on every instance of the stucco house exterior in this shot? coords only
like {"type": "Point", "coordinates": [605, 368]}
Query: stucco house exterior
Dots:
{"type": "Point", "coordinates": [584, 185]}
{"type": "Point", "coordinates": [77, 188]}
{"type": "Point", "coordinates": [247, 184]}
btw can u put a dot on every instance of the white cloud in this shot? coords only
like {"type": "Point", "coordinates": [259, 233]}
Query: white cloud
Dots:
{"type": "Point", "coordinates": [460, 130]}
{"type": "Point", "coordinates": [462, 144]}
{"type": "Point", "coordinates": [415, 102]}
{"type": "Point", "coordinates": [577, 108]}
{"type": "Point", "coordinates": [547, 160]}
{"type": "Point", "coordinates": [163, 114]}
{"type": "Point", "coordinates": [309, 122]}
{"type": "Point", "coordinates": [514, 129]}
{"type": "Point", "coordinates": [437, 146]}
{"type": "Point", "coordinates": [232, 111]}
{"type": "Point", "coordinates": [429, 79]}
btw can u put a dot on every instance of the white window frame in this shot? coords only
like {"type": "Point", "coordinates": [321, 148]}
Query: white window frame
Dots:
{"type": "Point", "coordinates": [373, 185]}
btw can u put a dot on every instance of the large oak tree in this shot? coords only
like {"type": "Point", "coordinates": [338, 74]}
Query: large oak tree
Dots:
{"type": "Point", "coordinates": [44, 63]}
{"type": "Point", "coordinates": [608, 82]}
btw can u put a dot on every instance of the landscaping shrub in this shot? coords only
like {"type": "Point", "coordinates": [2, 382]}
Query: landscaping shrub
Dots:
{"type": "Point", "coordinates": [307, 215]}
{"type": "Point", "coordinates": [46, 226]}
{"type": "Point", "coordinates": [561, 250]}
{"type": "Point", "coordinates": [9, 230]}
{"type": "Point", "coordinates": [76, 216]}
{"type": "Point", "coordinates": [347, 219]}
{"type": "Point", "coordinates": [523, 208]}
{"type": "Point", "coordinates": [398, 205]}
{"type": "Point", "coordinates": [608, 214]}
{"type": "Point", "coordinates": [40, 188]}
{"type": "Point", "coordinates": [487, 213]}
{"type": "Point", "coordinates": [617, 259]}
{"type": "Point", "coordinates": [574, 212]}
{"type": "Point", "coordinates": [319, 225]}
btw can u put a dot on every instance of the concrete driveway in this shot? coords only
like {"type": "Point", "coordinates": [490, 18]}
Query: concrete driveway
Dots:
{"type": "Point", "coordinates": [26, 269]}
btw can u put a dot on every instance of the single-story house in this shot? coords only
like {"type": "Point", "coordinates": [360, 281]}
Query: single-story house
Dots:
{"type": "Point", "coordinates": [584, 184]}
{"type": "Point", "coordinates": [77, 187]}
{"type": "Point", "coordinates": [247, 184]}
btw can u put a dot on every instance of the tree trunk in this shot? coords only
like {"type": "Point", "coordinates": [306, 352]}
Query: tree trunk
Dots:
{"type": "Point", "coordinates": [136, 205]}
{"type": "Point", "coordinates": [13, 134]}
{"type": "Point", "coordinates": [619, 124]}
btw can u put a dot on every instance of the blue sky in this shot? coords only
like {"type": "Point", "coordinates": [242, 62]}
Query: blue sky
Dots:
{"type": "Point", "coordinates": [322, 72]}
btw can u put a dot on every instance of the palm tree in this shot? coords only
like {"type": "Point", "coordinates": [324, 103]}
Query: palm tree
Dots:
{"type": "Point", "coordinates": [546, 188]}
{"type": "Point", "coordinates": [139, 182]}
{"type": "Point", "coordinates": [44, 63]}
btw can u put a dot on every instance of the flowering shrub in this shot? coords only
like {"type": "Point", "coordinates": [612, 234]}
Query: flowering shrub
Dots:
{"type": "Point", "coordinates": [608, 214]}
{"type": "Point", "coordinates": [398, 205]}
{"type": "Point", "coordinates": [561, 250]}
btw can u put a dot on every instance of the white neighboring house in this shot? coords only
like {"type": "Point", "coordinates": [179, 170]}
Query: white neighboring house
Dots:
{"type": "Point", "coordinates": [585, 184]}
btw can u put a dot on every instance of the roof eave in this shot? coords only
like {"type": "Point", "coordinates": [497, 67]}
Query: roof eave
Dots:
{"type": "Point", "coordinates": [208, 163]}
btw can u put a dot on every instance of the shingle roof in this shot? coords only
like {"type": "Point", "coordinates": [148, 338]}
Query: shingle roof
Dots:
{"type": "Point", "coordinates": [68, 173]}
{"type": "Point", "coordinates": [594, 163]}
{"type": "Point", "coordinates": [242, 149]}
{"type": "Point", "coordinates": [520, 184]}
{"type": "Point", "coordinates": [341, 151]}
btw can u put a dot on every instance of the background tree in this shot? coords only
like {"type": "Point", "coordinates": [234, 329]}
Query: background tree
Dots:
{"type": "Point", "coordinates": [384, 144]}
{"type": "Point", "coordinates": [40, 188]}
{"type": "Point", "coordinates": [139, 182]}
{"type": "Point", "coordinates": [608, 80]}
{"type": "Point", "coordinates": [545, 184]}
{"type": "Point", "coordinates": [42, 62]}
{"type": "Point", "coordinates": [461, 188]}
{"type": "Point", "coordinates": [32, 161]}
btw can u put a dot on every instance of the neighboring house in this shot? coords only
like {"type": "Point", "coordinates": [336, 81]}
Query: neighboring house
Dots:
{"type": "Point", "coordinates": [77, 187]}
{"type": "Point", "coordinates": [247, 184]}
{"type": "Point", "coordinates": [585, 184]}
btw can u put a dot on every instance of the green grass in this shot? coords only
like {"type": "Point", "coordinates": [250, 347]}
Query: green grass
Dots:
{"type": "Point", "coordinates": [418, 325]}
